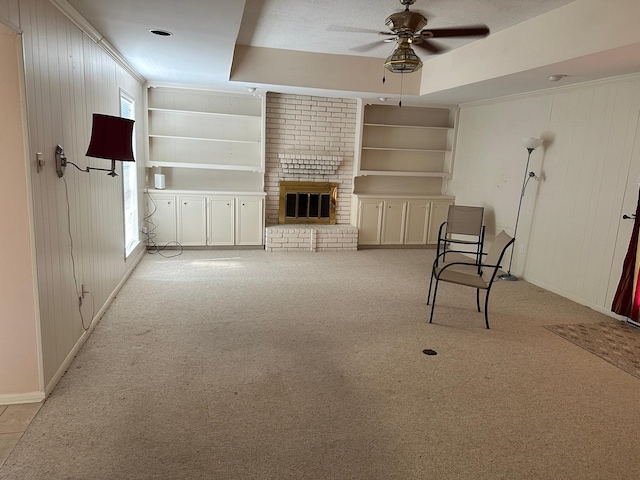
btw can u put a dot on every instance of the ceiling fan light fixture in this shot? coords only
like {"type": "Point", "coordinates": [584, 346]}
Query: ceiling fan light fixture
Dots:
{"type": "Point", "coordinates": [403, 60]}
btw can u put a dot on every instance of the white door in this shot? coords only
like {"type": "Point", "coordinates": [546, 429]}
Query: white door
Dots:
{"type": "Point", "coordinates": [162, 211]}
{"type": "Point", "coordinates": [417, 224]}
{"type": "Point", "coordinates": [249, 215]}
{"type": "Point", "coordinates": [369, 222]}
{"type": "Point", "coordinates": [221, 221]}
{"type": "Point", "coordinates": [393, 218]}
{"type": "Point", "coordinates": [192, 221]}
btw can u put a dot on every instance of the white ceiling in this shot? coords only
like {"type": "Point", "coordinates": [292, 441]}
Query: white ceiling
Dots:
{"type": "Point", "coordinates": [206, 32]}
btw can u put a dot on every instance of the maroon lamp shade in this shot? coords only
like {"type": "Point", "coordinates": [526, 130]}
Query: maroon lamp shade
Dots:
{"type": "Point", "coordinates": [111, 138]}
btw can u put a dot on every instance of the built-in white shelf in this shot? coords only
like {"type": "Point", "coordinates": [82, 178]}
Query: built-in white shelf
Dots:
{"type": "Point", "coordinates": [197, 112]}
{"type": "Point", "coordinates": [404, 173]}
{"type": "Point", "coordinates": [205, 166]}
{"type": "Point", "coordinates": [181, 137]}
{"type": "Point", "coordinates": [406, 150]}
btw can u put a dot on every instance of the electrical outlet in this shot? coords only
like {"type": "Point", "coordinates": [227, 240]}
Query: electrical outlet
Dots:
{"type": "Point", "coordinates": [521, 249]}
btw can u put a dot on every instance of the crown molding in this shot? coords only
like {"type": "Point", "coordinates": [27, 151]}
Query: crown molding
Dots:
{"type": "Point", "coordinates": [89, 30]}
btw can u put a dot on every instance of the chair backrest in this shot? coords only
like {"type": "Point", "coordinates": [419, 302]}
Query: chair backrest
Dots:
{"type": "Point", "coordinates": [495, 254]}
{"type": "Point", "coordinates": [464, 220]}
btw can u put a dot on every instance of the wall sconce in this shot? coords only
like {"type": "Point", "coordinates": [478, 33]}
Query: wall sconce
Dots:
{"type": "Point", "coordinates": [111, 138]}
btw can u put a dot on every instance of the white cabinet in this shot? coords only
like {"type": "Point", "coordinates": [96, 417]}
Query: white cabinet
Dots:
{"type": "Point", "coordinates": [221, 221]}
{"type": "Point", "coordinates": [400, 221]}
{"type": "Point", "coordinates": [369, 221]}
{"type": "Point", "coordinates": [162, 220]}
{"type": "Point", "coordinates": [393, 220]}
{"type": "Point", "coordinates": [417, 224]}
{"type": "Point", "coordinates": [249, 221]}
{"type": "Point", "coordinates": [191, 220]}
{"type": "Point", "coordinates": [213, 220]}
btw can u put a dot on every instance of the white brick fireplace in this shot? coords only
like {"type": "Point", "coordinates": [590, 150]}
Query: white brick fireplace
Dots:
{"type": "Point", "coordinates": [309, 139]}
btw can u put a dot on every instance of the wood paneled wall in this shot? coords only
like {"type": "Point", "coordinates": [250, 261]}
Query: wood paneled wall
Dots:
{"type": "Point", "coordinates": [69, 77]}
{"type": "Point", "coordinates": [571, 237]}
{"type": "Point", "coordinates": [10, 14]}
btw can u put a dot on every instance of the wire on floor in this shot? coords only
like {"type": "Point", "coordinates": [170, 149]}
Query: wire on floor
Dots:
{"type": "Point", "coordinates": [150, 234]}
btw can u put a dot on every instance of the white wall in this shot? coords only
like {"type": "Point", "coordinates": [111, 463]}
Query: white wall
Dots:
{"type": "Point", "coordinates": [68, 77]}
{"type": "Point", "coordinates": [571, 234]}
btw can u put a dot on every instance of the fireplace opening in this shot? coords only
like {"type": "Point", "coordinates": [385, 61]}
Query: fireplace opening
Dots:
{"type": "Point", "coordinates": [307, 202]}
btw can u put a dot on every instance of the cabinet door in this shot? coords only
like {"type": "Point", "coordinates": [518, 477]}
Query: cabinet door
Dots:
{"type": "Point", "coordinates": [417, 224]}
{"type": "Point", "coordinates": [162, 211]}
{"type": "Point", "coordinates": [249, 230]}
{"type": "Point", "coordinates": [221, 221]}
{"type": "Point", "coordinates": [439, 210]}
{"type": "Point", "coordinates": [393, 218]}
{"type": "Point", "coordinates": [369, 222]}
{"type": "Point", "coordinates": [192, 229]}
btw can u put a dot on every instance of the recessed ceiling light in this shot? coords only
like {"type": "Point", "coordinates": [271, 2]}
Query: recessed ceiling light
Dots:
{"type": "Point", "coordinates": [382, 99]}
{"type": "Point", "coordinates": [251, 89]}
{"type": "Point", "coordinates": [162, 33]}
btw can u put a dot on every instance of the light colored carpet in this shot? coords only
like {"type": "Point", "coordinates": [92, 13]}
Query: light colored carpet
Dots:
{"type": "Point", "coordinates": [254, 365]}
{"type": "Point", "coordinates": [617, 343]}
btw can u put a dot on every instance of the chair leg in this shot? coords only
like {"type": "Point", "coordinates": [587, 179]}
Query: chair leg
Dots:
{"type": "Point", "coordinates": [433, 304]}
{"type": "Point", "coordinates": [430, 283]}
{"type": "Point", "coordinates": [486, 309]}
{"type": "Point", "coordinates": [478, 299]}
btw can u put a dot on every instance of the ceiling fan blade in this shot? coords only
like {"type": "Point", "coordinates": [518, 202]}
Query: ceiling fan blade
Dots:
{"type": "Point", "coordinates": [430, 46]}
{"type": "Point", "coordinates": [368, 46]}
{"type": "Point", "coordinates": [468, 31]}
{"type": "Point", "coordinates": [341, 28]}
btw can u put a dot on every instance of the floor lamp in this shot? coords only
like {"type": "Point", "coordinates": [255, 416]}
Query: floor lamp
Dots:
{"type": "Point", "coordinates": [530, 144]}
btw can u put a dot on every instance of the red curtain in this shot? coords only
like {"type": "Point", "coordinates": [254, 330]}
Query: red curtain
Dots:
{"type": "Point", "coordinates": [627, 299]}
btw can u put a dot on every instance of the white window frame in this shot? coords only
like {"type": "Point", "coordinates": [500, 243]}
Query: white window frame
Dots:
{"type": "Point", "coordinates": [129, 184]}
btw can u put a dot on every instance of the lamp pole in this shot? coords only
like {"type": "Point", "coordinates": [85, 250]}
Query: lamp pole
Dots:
{"type": "Point", "coordinates": [530, 144]}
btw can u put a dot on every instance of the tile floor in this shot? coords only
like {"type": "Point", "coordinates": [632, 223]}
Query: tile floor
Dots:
{"type": "Point", "coordinates": [14, 420]}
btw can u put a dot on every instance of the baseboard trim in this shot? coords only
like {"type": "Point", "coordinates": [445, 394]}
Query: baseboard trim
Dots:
{"type": "Point", "coordinates": [14, 399]}
{"type": "Point", "coordinates": [74, 351]}
{"type": "Point", "coordinates": [575, 299]}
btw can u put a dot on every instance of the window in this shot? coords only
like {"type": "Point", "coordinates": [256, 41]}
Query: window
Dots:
{"type": "Point", "coordinates": [129, 183]}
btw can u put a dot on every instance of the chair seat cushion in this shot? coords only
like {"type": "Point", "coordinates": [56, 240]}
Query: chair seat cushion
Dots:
{"type": "Point", "coordinates": [470, 279]}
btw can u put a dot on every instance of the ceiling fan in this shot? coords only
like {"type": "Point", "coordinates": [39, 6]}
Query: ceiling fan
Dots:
{"type": "Point", "coordinates": [407, 30]}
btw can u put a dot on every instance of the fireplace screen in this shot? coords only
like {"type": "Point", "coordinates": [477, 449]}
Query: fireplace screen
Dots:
{"type": "Point", "coordinates": [307, 202]}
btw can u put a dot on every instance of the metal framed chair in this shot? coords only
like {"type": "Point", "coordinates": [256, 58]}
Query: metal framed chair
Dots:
{"type": "Point", "coordinates": [478, 275]}
{"type": "Point", "coordinates": [464, 227]}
